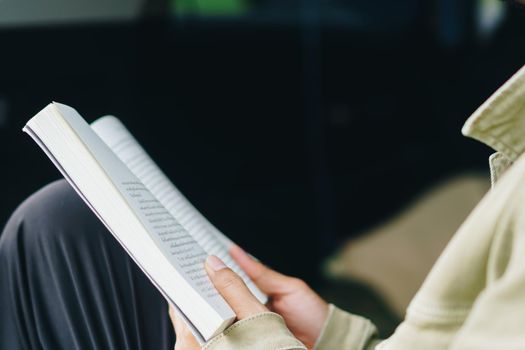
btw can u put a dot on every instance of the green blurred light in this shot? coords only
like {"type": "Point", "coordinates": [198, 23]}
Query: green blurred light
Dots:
{"type": "Point", "coordinates": [210, 7]}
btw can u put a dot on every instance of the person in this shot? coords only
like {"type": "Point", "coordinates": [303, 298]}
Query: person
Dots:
{"type": "Point", "coordinates": [472, 299]}
{"type": "Point", "coordinates": [65, 283]}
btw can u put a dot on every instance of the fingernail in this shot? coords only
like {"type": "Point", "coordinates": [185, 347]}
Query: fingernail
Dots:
{"type": "Point", "coordinates": [215, 263]}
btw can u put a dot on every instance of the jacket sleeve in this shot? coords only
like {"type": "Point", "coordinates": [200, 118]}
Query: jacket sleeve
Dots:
{"type": "Point", "coordinates": [268, 331]}
{"type": "Point", "coordinates": [343, 330]}
{"type": "Point", "coordinates": [264, 331]}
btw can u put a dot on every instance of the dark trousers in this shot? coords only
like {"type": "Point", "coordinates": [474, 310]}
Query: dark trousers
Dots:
{"type": "Point", "coordinates": [65, 283]}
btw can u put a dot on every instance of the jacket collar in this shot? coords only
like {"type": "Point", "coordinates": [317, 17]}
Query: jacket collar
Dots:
{"type": "Point", "coordinates": [500, 121]}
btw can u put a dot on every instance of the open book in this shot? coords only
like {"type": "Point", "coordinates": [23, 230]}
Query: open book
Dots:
{"type": "Point", "coordinates": [158, 227]}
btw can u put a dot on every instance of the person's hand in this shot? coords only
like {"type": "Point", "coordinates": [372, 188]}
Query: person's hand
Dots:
{"type": "Point", "coordinates": [234, 292]}
{"type": "Point", "coordinates": [302, 309]}
{"type": "Point", "coordinates": [185, 339]}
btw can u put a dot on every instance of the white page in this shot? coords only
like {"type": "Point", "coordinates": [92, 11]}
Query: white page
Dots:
{"type": "Point", "coordinates": [127, 148]}
{"type": "Point", "coordinates": [115, 193]}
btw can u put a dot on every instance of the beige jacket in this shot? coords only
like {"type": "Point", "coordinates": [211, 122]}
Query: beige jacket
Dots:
{"type": "Point", "coordinates": [474, 297]}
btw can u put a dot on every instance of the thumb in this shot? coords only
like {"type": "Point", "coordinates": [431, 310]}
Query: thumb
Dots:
{"type": "Point", "coordinates": [233, 289]}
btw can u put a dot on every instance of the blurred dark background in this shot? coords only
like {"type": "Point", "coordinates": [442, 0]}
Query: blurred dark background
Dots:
{"type": "Point", "coordinates": [292, 125]}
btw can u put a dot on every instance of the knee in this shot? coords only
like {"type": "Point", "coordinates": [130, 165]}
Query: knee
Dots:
{"type": "Point", "coordinates": [54, 213]}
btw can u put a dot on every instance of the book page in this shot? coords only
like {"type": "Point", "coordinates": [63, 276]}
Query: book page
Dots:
{"type": "Point", "coordinates": [178, 245]}
{"type": "Point", "coordinates": [127, 148]}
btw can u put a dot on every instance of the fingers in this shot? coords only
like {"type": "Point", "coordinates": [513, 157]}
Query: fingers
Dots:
{"type": "Point", "coordinates": [173, 317]}
{"type": "Point", "coordinates": [233, 289]}
{"type": "Point", "coordinates": [177, 323]}
{"type": "Point", "coordinates": [184, 338]}
{"type": "Point", "coordinates": [268, 280]}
